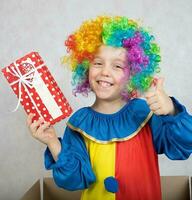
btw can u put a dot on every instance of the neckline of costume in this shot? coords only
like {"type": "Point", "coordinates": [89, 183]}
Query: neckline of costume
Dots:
{"type": "Point", "coordinates": [109, 115]}
{"type": "Point", "coordinates": [119, 126]}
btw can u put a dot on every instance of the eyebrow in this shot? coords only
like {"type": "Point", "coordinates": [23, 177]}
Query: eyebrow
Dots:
{"type": "Point", "coordinates": [115, 59]}
{"type": "Point", "coordinates": [121, 60]}
{"type": "Point", "coordinates": [97, 57]}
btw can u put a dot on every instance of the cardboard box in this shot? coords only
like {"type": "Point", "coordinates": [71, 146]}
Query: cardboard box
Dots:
{"type": "Point", "coordinates": [176, 187]}
{"type": "Point", "coordinates": [173, 188]}
{"type": "Point", "coordinates": [49, 191]}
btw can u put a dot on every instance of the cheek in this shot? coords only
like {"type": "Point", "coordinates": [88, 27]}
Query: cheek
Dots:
{"type": "Point", "coordinates": [91, 76]}
{"type": "Point", "coordinates": [92, 73]}
{"type": "Point", "coordinates": [124, 77]}
{"type": "Point", "coordinates": [121, 81]}
{"type": "Point", "coordinates": [120, 77]}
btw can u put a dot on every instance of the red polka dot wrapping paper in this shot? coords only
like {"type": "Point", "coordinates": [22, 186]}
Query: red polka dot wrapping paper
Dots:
{"type": "Point", "coordinates": [36, 88]}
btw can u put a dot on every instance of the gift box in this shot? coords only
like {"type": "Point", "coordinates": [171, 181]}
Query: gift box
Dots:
{"type": "Point", "coordinates": [36, 89]}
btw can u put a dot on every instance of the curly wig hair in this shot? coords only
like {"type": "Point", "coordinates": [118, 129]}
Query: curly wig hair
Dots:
{"type": "Point", "coordinates": [143, 53]}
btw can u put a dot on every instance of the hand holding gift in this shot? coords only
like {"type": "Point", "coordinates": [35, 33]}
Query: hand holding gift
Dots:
{"type": "Point", "coordinates": [46, 134]}
{"type": "Point", "coordinates": [36, 89]}
{"type": "Point", "coordinates": [41, 130]}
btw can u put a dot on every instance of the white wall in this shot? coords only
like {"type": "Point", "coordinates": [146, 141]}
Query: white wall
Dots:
{"type": "Point", "coordinates": [32, 25]}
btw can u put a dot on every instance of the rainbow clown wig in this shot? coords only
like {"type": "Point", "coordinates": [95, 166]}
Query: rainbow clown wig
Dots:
{"type": "Point", "coordinates": [143, 53]}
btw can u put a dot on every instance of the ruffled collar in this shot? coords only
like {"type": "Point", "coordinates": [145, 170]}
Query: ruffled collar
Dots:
{"type": "Point", "coordinates": [105, 128]}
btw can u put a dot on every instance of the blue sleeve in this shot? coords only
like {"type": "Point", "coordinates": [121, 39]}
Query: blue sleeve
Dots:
{"type": "Point", "coordinates": [72, 171]}
{"type": "Point", "coordinates": [172, 135]}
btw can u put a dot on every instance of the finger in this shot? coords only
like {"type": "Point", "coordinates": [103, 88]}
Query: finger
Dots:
{"type": "Point", "coordinates": [43, 127]}
{"type": "Point", "coordinates": [160, 83]}
{"type": "Point", "coordinates": [29, 119]}
{"type": "Point", "coordinates": [149, 94]}
{"type": "Point", "coordinates": [151, 100]}
{"type": "Point", "coordinates": [34, 126]}
{"type": "Point", "coordinates": [158, 112]}
{"type": "Point", "coordinates": [155, 106]}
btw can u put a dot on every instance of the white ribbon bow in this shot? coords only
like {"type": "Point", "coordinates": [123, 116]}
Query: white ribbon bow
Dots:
{"type": "Point", "coordinates": [27, 81]}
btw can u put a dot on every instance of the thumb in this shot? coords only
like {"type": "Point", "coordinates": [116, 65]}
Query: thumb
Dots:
{"type": "Point", "coordinates": [160, 83]}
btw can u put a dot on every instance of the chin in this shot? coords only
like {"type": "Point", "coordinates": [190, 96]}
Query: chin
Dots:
{"type": "Point", "coordinates": [105, 97]}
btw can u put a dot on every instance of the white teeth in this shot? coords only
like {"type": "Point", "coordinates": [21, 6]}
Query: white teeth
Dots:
{"type": "Point", "coordinates": [104, 84]}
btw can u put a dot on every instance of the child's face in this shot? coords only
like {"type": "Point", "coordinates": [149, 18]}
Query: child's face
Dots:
{"type": "Point", "coordinates": [106, 72]}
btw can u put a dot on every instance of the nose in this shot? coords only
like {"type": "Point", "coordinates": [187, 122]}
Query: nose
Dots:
{"type": "Point", "coordinates": [105, 71]}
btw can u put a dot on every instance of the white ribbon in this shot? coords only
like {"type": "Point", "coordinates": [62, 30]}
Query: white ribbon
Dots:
{"type": "Point", "coordinates": [27, 81]}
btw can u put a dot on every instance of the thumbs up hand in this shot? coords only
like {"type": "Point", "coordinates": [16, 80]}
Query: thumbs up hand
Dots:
{"type": "Point", "coordinates": [159, 102]}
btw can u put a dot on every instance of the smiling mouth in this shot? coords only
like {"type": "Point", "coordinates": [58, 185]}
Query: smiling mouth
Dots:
{"type": "Point", "coordinates": [104, 84]}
